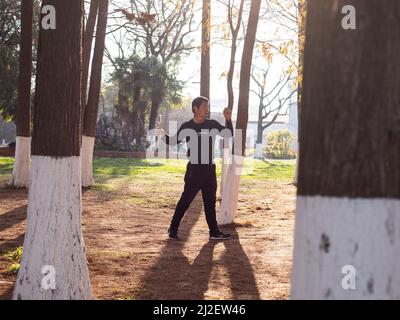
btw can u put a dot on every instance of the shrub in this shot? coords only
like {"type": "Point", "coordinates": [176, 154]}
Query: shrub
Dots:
{"type": "Point", "coordinates": [279, 145]}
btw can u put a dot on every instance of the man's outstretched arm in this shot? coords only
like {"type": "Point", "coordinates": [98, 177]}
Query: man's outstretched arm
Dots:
{"type": "Point", "coordinates": [172, 140]}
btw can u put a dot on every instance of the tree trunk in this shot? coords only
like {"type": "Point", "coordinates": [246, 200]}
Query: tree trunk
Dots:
{"type": "Point", "coordinates": [229, 84]}
{"type": "Point", "coordinates": [245, 72]}
{"type": "Point", "coordinates": [92, 108]}
{"type": "Point", "coordinates": [302, 11]}
{"type": "Point", "coordinates": [53, 264]}
{"type": "Point", "coordinates": [231, 185]}
{"type": "Point", "coordinates": [231, 71]}
{"type": "Point", "coordinates": [87, 50]}
{"type": "Point", "coordinates": [301, 35]}
{"type": "Point", "coordinates": [21, 171]}
{"type": "Point", "coordinates": [166, 125]}
{"type": "Point", "coordinates": [205, 50]}
{"type": "Point", "coordinates": [137, 106]}
{"type": "Point", "coordinates": [260, 128]}
{"type": "Point", "coordinates": [260, 131]}
{"type": "Point", "coordinates": [155, 106]}
{"type": "Point", "coordinates": [347, 222]}
{"type": "Point", "coordinates": [142, 120]}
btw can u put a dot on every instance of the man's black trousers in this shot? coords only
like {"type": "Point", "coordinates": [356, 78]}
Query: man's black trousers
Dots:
{"type": "Point", "coordinates": [198, 177]}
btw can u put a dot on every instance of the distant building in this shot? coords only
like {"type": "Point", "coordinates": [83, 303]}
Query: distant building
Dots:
{"type": "Point", "coordinates": [289, 122]}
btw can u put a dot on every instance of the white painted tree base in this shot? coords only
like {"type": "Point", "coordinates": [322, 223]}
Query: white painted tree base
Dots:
{"type": "Point", "coordinates": [53, 234]}
{"type": "Point", "coordinates": [229, 199]}
{"type": "Point", "coordinates": [259, 151]}
{"type": "Point", "coordinates": [21, 172]}
{"type": "Point", "coordinates": [87, 161]}
{"type": "Point", "coordinates": [224, 169]}
{"type": "Point", "coordinates": [332, 233]}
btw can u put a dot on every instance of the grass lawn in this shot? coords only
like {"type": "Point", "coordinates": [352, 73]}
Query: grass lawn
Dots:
{"type": "Point", "coordinates": [137, 180]}
{"type": "Point", "coordinates": [6, 167]}
{"type": "Point", "coordinates": [107, 169]}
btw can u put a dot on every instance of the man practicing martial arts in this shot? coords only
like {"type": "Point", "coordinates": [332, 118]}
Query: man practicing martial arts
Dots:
{"type": "Point", "coordinates": [200, 133]}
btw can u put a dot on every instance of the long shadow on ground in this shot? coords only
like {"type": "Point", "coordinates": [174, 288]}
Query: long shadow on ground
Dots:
{"type": "Point", "coordinates": [13, 217]}
{"type": "Point", "coordinates": [172, 277]}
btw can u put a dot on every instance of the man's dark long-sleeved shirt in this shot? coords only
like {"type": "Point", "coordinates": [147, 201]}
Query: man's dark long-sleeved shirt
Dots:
{"type": "Point", "coordinates": [200, 137]}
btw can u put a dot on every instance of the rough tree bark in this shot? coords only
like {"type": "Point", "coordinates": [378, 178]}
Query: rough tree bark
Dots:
{"type": "Point", "coordinates": [231, 186]}
{"type": "Point", "coordinates": [205, 50]}
{"type": "Point", "coordinates": [155, 107]}
{"type": "Point", "coordinates": [348, 200]}
{"type": "Point", "coordinates": [21, 171]}
{"type": "Point", "coordinates": [260, 126]}
{"type": "Point", "coordinates": [91, 110]}
{"type": "Point", "coordinates": [235, 28]}
{"type": "Point", "coordinates": [302, 11]}
{"type": "Point", "coordinates": [87, 50]}
{"type": "Point", "coordinates": [53, 264]}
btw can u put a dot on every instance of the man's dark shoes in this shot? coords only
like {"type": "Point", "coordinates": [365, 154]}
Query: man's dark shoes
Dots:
{"type": "Point", "coordinates": [173, 235]}
{"type": "Point", "coordinates": [220, 236]}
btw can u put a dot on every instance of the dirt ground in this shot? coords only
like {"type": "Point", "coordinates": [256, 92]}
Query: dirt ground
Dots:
{"type": "Point", "coordinates": [130, 258]}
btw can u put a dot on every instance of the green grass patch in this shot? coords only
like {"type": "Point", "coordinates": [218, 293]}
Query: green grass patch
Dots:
{"type": "Point", "coordinates": [114, 168]}
{"type": "Point", "coordinates": [15, 258]}
{"type": "Point", "coordinates": [6, 165]}
{"type": "Point", "coordinates": [6, 168]}
{"type": "Point", "coordinates": [109, 170]}
{"type": "Point", "coordinates": [270, 170]}
{"type": "Point", "coordinates": [115, 175]}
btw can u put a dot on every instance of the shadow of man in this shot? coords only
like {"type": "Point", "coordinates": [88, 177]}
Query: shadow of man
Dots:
{"type": "Point", "coordinates": [170, 276]}
{"type": "Point", "coordinates": [173, 277]}
{"type": "Point", "coordinates": [201, 270]}
{"type": "Point", "coordinates": [240, 271]}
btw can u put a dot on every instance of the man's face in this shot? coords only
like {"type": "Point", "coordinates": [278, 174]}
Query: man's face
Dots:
{"type": "Point", "coordinates": [203, 110]}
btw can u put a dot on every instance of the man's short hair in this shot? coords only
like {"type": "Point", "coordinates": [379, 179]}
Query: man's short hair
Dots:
{"type": "Point", "coordinates": [198, 101]}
